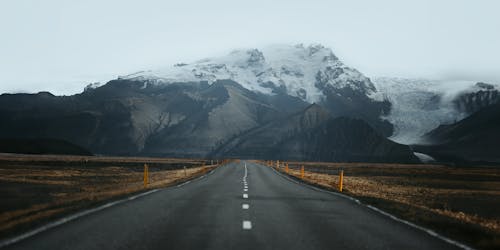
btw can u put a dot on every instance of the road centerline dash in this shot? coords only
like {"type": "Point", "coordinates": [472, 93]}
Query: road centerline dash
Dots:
{"type": "Point", "coordinates": [247, 225]}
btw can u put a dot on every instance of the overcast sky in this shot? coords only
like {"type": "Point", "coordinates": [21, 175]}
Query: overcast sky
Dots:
{"type": "Point", "coordinates": [61, 46]}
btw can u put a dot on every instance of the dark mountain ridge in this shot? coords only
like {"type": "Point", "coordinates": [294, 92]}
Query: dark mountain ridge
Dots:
{"type": "Point", "coordinates": [473, 139]}
{"type": "Point", "coordinates": [315, 135]}
{"type": "Point", "coordinates": [40, 146]}
{"type": "Point", "coordinates": [188, 119]}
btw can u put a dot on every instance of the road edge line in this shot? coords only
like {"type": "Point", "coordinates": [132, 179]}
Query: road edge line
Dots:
{"type": "Point", "coordinates": [64, 220]}
{"type": "Point", "coordinates": [393, 217]}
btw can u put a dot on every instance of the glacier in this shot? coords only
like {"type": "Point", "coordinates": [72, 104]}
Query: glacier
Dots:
{"type": "Point", "coordinates": [420, 105]}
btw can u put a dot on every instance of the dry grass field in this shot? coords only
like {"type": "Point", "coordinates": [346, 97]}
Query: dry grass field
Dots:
{"type": "Point", "coordinates": [37, 189]}
{"type": "Point", "coordinates": [462, 203]}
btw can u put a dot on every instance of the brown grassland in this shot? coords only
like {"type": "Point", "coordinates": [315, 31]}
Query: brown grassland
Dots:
{"type": "Point", "coordinates": [462, 203]}
{"type": "Point", "coordinates": [37, 189]}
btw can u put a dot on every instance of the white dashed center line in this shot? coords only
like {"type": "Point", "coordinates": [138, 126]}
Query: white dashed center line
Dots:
{"type": "Point", "coordinates": [247, 225]}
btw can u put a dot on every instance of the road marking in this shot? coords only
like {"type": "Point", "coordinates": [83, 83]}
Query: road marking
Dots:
{"type": "Point", "coordinates": [428, 231]}
{"type": "Point", "coordinates": [70, 218]}
{"type": "Point", "coordinates": [182, 184]}
{"type": "Point", "coordinates": [247, 225]}
{"type": "Point", "coordinates": [64, 220]}
{"type": "Point", "coordinates": [246, 172]}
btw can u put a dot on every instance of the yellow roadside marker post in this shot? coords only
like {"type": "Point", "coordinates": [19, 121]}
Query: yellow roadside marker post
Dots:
{"type": "Point", "coordinates": [146, 175]}
{"type": "Point", "coordinates": [302, 172]}
{"type": "Point", "coordinates": [341, 180]}
{"type": "Point", "coordinates": [278, 164]}
{"type": "Point", "coordinates": [287, 169]}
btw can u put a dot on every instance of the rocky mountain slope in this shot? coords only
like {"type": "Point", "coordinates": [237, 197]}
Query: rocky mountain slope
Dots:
{"type": "Point", "coordinates": [475, 138]}
{"type": "Point", "coordinates": [176, 119]}
{"type": "Point", "coordinates": [237, 111]}
{"type": "Point", "coordinates": [313, 134]}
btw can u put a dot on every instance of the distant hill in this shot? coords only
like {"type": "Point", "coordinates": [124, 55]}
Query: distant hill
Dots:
{"type": "Point", "coordinates": [475, 138]}
{"type": "Point", "coordinates": [40, 146]}
{"type": "Point", "coordinates": [314, 135]}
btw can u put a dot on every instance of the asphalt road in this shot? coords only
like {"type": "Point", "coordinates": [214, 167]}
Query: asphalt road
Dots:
{"type": "Point", "coordinates": [213, 213]}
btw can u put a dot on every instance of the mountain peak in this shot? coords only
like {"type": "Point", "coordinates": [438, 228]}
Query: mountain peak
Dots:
{"type": "Point", "coordinates": [255, 57]}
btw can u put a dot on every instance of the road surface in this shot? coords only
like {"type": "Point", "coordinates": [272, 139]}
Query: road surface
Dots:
{"type": "Point", "coordinates": [235, 207]}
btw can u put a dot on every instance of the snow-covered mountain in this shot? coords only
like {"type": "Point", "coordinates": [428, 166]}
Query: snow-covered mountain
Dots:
{"type": "Point", "coordinates": [421, 105]}
{"type": "Point", "coordinates": [404, 109]}
{"type": "Point", "coordinates": [311, 73]}
{"type": "Point", "coordinates": [234, 104]}
{"type": "Point", "coordinates": [301, 71]}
